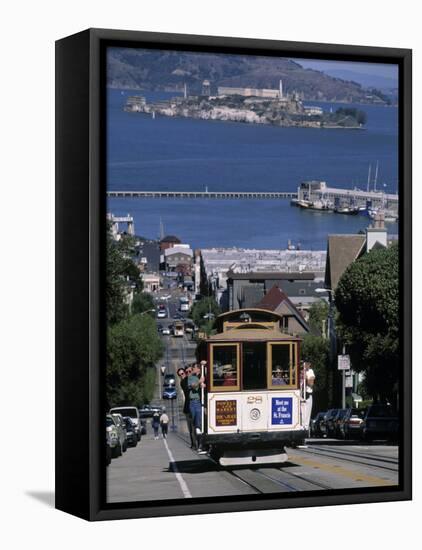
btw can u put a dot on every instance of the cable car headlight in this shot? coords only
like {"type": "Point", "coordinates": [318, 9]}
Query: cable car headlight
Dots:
{"type": "Point", "coordinates": [255, 414]}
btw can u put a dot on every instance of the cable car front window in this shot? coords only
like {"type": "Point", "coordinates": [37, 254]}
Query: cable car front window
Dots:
{"type": "Point", "coordinates": [254, 366]}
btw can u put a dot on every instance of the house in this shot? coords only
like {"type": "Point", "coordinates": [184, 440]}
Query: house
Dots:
{"type": "Point", "coordinates": [169, 242]}
{"type": "Point", "coordinates": [247, 289]}
{"type": "Point", "coordinates": [342, 250]}
{"type": "Point", "coordinates": [178, 258]}
{"type": "Point", "coordinates": [277, 301]}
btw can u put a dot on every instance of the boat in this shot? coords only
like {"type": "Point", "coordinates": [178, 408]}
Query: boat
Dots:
{"type": "Point", "coordinates": [320, 205]}
{"type": "Point", "coordinates": [349, 210]}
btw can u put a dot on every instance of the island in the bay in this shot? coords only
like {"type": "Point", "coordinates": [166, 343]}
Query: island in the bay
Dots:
{"type": "Point", "coordinates": [250, 105]}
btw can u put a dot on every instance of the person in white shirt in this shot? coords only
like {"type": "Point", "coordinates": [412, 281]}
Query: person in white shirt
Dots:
{"type": "Point", "coordinates": [164, 422]}
{"type": "Point", "coordinates": [308, 380]}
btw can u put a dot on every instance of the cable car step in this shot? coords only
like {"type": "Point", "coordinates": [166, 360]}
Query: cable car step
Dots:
{"type": "Point", "coordinates": [251, 457]}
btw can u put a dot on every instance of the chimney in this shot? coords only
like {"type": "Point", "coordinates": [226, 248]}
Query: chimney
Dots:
{"type": "Point", "coordinates": [377, 233]}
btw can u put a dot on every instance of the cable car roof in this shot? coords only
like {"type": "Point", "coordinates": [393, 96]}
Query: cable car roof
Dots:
{"type": "Point", "coordinates": [251, 335]}
{"type": "Point", "coordinates": [256, 315]}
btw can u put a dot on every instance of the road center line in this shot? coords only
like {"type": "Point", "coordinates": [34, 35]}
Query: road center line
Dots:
{"type": "Point", "coordinates": [182, 482]}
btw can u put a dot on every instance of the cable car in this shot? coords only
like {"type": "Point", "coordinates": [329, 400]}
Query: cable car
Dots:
{"type": "Point", "coordinates": [179, 328]}
{"type": "Point", "coordinates": [252, 401]}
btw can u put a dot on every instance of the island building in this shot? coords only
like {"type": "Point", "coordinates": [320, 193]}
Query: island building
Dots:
{"type": "Point", "coordinates": [206, 88]}
{"type": "Point", "coordinates": [267, 93]}
{"type": "Point", "coordinates": [135, 104]}
{"type": "Point", "coordinates": [312, 110]}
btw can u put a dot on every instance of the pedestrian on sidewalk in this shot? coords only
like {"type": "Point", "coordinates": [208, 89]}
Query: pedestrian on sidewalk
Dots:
{"type": "Point", "coordinates": [164, 423]}
{"type": "Point", "coordinates": [155, 423]}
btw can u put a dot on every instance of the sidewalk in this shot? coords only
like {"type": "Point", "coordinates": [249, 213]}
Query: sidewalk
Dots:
{"type": "Point", "coordinates": [146, 472]}
{"type": "Point", "coordinates": [161, 470]}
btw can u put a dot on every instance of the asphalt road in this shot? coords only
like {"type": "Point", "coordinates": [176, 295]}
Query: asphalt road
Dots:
{"type": "Point", "coordinates": [169, 469]}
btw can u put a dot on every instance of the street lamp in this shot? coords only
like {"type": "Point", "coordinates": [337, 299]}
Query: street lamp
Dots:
{"type": "Point", "coordinates": [147, 311]}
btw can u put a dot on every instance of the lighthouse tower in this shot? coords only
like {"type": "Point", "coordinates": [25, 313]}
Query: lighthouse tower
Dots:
{"type": "Point", "coordinates": [281, 89]}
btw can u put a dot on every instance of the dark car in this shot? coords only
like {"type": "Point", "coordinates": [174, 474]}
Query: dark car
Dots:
{"type": "Point", "coordinates": [145, 411]}
{"type": "Point", "coordinates": [379, 422]}
{"type": "Point", "coordinates": [131, 434]}
{"type": "Point", "coordinates": [159, 327]}
{"type": "Point", "coordinates": [327, 422]}
{"type": "Point", "coordinates": [169, 392]}
{"type": "Point", "coordinates": [350, 426]}
{"type": "Point", "coordinates": [338, 421]}
{"type": "Point", "coordinates": [315, 426]}
{"type": "Point", "coordinates": [143, 426]}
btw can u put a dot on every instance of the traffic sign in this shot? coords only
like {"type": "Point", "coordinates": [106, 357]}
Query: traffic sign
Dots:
{"type": "Point", "coordinates": [343, 362]}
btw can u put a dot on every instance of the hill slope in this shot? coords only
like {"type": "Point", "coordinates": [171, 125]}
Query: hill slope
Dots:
{"type": "Point", "coordinates": [170, 70]}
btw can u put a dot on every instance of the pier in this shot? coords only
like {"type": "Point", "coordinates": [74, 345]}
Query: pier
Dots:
{"type": "Point", "coordinates": [308, 191]}
{"type": "Point", "coordinates": [318, 190]}
{"type": "Point", "coordinates": [202, 194]}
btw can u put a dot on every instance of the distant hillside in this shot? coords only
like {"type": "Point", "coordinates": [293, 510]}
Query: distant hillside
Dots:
{"type": "Point", "coordinates": [167, 70]}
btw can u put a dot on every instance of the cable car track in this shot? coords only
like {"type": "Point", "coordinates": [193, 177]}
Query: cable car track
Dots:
{"type": "Point", "coordinates": [350, 453]}
{"type": "Point", "coordinates": [327, 454]}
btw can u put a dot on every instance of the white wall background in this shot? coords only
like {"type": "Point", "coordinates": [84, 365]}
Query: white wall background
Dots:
{"type": "Point", "coordinates": [28, 32]}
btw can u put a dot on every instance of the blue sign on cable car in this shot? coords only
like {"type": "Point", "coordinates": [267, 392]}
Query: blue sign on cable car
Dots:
{"type": "Point", "coordinates": [281, 411]}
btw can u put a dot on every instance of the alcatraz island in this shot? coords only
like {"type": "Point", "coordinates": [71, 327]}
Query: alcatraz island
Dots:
{"type": "Point", "coordinates": [250, 105]}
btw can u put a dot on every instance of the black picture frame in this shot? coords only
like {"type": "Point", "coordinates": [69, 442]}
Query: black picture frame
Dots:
{"type": "Point", "coordinates": [80, 234]}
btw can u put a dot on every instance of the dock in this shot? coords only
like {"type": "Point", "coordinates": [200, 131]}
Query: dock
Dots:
{"type": "Point", "coordinates": [202, 194]}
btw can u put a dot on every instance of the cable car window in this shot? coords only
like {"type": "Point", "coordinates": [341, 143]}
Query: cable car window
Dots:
{"type": "Point", "coordinates": [282, 361]}
{"type": "Point", "coordinates": [254, 366]}
{"type": "Point", "coordinates": [225, 367]}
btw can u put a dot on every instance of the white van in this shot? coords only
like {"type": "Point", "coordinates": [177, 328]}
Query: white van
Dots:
{"type": "Point", "coordinates": [133, 414]}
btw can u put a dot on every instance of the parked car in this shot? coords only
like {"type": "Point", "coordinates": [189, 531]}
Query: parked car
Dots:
{"type": "Point", "coordinates": [337, 422]}
{"type": "Point", "coordinates": [379, 422]}
{"type": "Point", "coordinates": [121, 430]}
{"type": "Point", "coordinates": [169, 392]}
{"type": "Point", "coordinates": [113, 444]}
{"type": "Point", "coordinates": [143, 426]}
{"type": "Point", "coordinates": [131, 433]}
{"type": "Point", "coordinates": [327, 426]}
{"type": "Point", "coordinates": [145, 411]}
{"type": "Point", "coordinates": [133, 413]}
{"type": "Point", "coordinates": [315, 425]}
{"type": "Point", "coordinates": [350, 427]}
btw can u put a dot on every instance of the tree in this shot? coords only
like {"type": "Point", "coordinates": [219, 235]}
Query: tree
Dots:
{"type": "Point", "coordinates": [121, 274]}
{"type": "Point", "coordinates": [133, 348]}
{"type": "Point", "coordinates": [315, 349]}
{"type": "Point", "coordinates": [318, 316]}
{"type": "Point", "coordinates": [142, 303]}
{"type": "Point", "coordinates": [202, 308]}
{"type": "Point", "coordinates": [367, 300]}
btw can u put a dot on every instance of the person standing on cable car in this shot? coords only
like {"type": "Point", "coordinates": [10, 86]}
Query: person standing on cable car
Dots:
{"type": "Point", "coordinates": [308, 380]}
{"type": "Point", "coordinates": [195, 383]}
